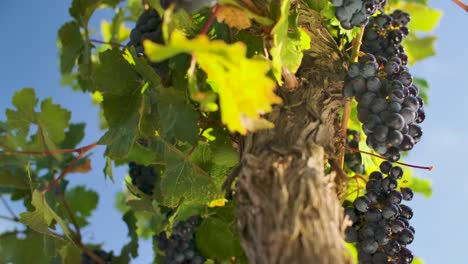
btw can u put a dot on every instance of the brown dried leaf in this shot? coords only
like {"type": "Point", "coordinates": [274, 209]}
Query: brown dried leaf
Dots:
{"type": "Point", "coordinates": [233, 17]}
{"type": "Point", "coordinates": [83, 167]}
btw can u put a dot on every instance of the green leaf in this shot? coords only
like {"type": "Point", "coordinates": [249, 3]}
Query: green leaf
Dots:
{"type": "Point", "coordinates": [54, 120]}
{"type": "Point", "coordinates": [122, 100]}
{"type": "Point", "coordinates": [288, 43]}
{"type": "Point", "coordinates": [70, 253]}
{"type": "Point", "coordinates": [20, 120]}
{"type": "Point", "coordinates": [419, 48]}
{"type": "Point", "coordinates": [17, 179]}
{"type": "Point", "coordinates": [216, 240]}
{"type": "Point", "coordinates": [82, 10]}
{"type": "Point", "coordinates": [82, 202]}
{"type": "Point", "coordinates": [130, 250]}
{"type": "Point", "coordinates": [185, 180]}
{"type": "Point", "coordinates": [122, 116]}
{"type": "Point", "coordinates": [418, 261]}
{"type": "Point", "coordinates": [115, 75]}
{"type": "Point", "coordinates": [187, 210]}
{"type": "Point", "coordinates": [142, 155]}
{"type": "Point", "coordinates": [28, 247]}
{"type": "Point", "coordinates": [108, 169]}
{"type": "Point", "coordinates": [243, 100]}
{"type": "Point", "coordinates": [72, 46]}
{"type": "Point", "coordinates": [178, 116]}
{"type": "Point", "coordinates": [73, 135]}
{"type": "Point", "coordinates": [41, 219]}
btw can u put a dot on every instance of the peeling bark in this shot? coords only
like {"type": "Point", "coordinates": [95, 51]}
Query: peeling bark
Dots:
{"type": "Point", "coordinates": [287, 207]}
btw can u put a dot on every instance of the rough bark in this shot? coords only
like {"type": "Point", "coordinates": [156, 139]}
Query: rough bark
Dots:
{"type": "Point", "coordinates": [287, 207]}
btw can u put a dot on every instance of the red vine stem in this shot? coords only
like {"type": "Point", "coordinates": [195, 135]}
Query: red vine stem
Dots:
{"type": "Point", "coordinates": [51, 152]}
{"type": "Point", "coordinates": [208, 23]}
{"type": "Point", "coordinates": [461, 4]}
{"type": "Point", "coordinates": [429, 168]}
{"type": "Point", "coordinates": [64, 172]}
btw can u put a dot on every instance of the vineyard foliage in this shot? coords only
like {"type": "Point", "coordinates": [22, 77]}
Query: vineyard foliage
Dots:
{"type": "Point", "coordinates": [183, 120]}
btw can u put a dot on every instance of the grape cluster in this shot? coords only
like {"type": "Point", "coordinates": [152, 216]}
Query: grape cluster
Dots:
{"type": "Point", "coordinates": [189, 5]}
{"type": "Point", "coordinates": [143, 177]}
{"type": "Point", "coordinates": [353, 160]}
{"type": "Point", "coordinates": [384, 33]}
{"type": "Point", "coordinates": [180, 247]}
{"type": "Point", "coordinates": [389, 105]}
{"type": "Point", "coordinates": [149, 26]}
{"type": "Point", "coordinates": [380, 221]}
{"type": "Point", "coordinates": [354, 13]}
{"type": "Point", "coordinates": [106, 257]}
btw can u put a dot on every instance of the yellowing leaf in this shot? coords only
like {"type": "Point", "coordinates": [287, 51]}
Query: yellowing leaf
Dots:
{"type": "Point", "coordinates": [233, 17]}
{"type": "Point", "coordinates": [82, 168]}
{"type": "Point", "coordinates": [217, 202]}
{"type": "Point", "coordinates": [245, 90]}
{"type": "Point", "coordinates": [288, 42]}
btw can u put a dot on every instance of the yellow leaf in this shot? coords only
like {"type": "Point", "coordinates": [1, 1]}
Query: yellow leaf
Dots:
{"type": "Point", "coordinates": [217, 202]}
{"type": "Point", "coordinates": [245, 91]}
{"type": "Point", "coordinates": [233, 17]}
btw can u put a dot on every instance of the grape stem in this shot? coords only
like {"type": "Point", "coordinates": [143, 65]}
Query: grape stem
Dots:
{"type": "Point", "coordinates": [347, 101]}
{"type": "Point", "coordinates": [461, 4]}
{"type": "Point", "coordinates": [9, 218]}
{"type": "Point", "coordinates": [429, 168]}
{"type": "Point", "coordinates": [113, 44]}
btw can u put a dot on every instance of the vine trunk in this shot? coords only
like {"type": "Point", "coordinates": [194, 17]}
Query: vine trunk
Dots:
{"type": "Point", "coordinates": [288, 209]}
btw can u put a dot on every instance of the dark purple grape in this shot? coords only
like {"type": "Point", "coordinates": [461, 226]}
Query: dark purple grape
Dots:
{"type": "Point", "coordinates": [390, 212]}
{"type": "Point", "coordinates": [406, 212]}
{"type": "Point", "coordinates": [368, 246]}
{"type": "Point", "coordinates": [361, 204]}
{"type": "Point", "coordinates": [394, 197]}
{"type": "Point", "coordinates": [351, 235]}
{"type": "Point", "coordinates": [407, 193]}
{"type": "Point", "coordinates": [376, 175]}
{"type": "Point", "coordinates": [385, 167]}
{"type": "Point", "coordinates": [396, 172]}
{"type": "Point", "coordinates": [373, 215]}
{"type": "Point", "coordinates": [389, 183]}
{"type": "Point", "coordinates": [397, 226]}
{"type": "Point", "coordinates": [392, 248]}
{"type": "Point", "coordinates": [405, 237]}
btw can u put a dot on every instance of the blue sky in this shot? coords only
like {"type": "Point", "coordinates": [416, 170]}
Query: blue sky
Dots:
{"type": "Point", "coordinates": [30, 59]}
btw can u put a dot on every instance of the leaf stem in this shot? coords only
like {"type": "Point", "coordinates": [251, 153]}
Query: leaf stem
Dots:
{"type": "Point", "coordinates": [429, 168]}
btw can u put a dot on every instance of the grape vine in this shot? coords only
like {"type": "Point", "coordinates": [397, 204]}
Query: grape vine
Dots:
{"type": "Point", "coordinates": [200, 97]}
